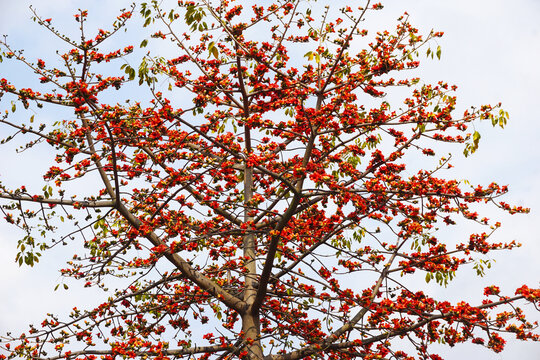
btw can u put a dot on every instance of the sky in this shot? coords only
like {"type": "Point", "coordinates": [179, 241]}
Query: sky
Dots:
{"type": "Point", "coordinates": [490, 50]}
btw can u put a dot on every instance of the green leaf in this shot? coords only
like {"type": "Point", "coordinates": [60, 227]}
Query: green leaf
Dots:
{"type": "Point", "coordinates": [472, 146]}
{"type": "Point", "coordinates": [212, 50]}
{"type": "Point", "coordinates": [438, 53]}
{"type": "Point", "coordinates": [144, 43]}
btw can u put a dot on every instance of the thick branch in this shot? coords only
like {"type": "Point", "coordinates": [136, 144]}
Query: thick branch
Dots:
{"type": "Point", "coordinates": [314, 348]}
{"type": "Point", "coordinates": [166, 352]}
{"type": "Point", "coordinates": [185, 268]}
{"type": "Point", "coordinates": [70, 202]}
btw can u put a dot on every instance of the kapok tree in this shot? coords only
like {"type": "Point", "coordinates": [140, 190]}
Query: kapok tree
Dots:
{"type": "Point", "coordinates": [256, 203]}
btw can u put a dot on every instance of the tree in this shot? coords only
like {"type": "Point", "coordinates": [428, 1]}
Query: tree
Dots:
{"type": "Point", "coordinates": [273, 215]}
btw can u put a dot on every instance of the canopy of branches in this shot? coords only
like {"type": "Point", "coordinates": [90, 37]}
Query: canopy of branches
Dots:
{"type": "Point", "coordinates": [253, 198]}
